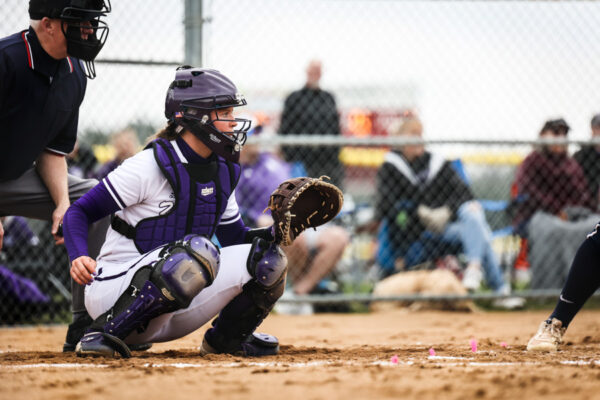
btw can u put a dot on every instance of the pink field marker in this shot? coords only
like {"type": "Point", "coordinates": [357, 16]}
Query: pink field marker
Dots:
{"type": "Point", "coordinates": [473, 343]}
{"type": "Point", "coordinates": [503, 344]}
{"type": "Point", "coordinates": [394, 359]}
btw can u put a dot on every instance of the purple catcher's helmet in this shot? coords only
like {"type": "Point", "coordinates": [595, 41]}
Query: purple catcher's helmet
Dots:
{"type": "Point", "coordinates": [191, 98]}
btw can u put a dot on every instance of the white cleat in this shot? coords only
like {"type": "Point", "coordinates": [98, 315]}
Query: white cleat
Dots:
{"type": "Point", "coordinates": [548, 336]}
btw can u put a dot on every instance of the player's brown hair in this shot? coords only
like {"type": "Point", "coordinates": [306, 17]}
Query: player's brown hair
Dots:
{"type": "Point", "coordinates": [169, 132]}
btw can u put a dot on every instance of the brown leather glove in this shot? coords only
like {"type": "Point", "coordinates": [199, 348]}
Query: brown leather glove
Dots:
{"type": "Point", "coordinates": [301, 203]}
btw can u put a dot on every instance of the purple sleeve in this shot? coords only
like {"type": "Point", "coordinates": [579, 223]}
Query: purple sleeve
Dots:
{"type": "Point", "coordinates": [234, 233]}
{"type": "Point", "coordinates": [94, 205]}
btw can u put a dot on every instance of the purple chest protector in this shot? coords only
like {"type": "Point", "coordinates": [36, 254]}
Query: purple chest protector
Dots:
{"type": "Point", "coordinates": [201, 194]}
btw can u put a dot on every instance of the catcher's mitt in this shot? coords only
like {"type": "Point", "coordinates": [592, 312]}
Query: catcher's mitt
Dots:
{"type": "Point", "coordinates": [301, 203]}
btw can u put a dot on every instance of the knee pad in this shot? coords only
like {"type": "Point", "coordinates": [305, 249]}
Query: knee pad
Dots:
{"type": "Point", "coordinates": [185, 268]}
{"type": "Point", "coordinates": [267, 264]}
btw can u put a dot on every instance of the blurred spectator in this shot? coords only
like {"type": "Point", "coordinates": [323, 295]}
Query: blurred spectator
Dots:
{"type": "Point", "coordinates": [262, 172]}
{"type": "Point", "coordinates": [81, 162]}
{"type": "Point", "coordinates": [16, 291]}
{"type": "Point", "coordinates": [553, 208]}
{"type": "Point", "coordinates": [549, 179]}
{"type": "Point", "coordinates": [126, 144]}
{"type": "Point", "coordinates": [429, 211]}
{"type": "Point", "coordinates": [312, 111]}
{"type": "Point", "coordinates": [17, 232]}
{"type": "Point", "coordinates": [314, 254]}
{"type": "Point", "coordinates": [589, 160]}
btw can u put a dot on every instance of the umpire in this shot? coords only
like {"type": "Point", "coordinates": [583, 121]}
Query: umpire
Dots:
{"type": "Point", "coordinates": [42, 85]}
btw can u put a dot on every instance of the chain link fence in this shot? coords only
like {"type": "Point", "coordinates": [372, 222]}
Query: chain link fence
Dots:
{"type": "Point", "coordinates": [481, 77]}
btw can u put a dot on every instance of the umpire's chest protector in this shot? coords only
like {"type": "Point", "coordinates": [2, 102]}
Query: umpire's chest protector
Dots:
{"type": "Point", "coordinates": [201, 195]}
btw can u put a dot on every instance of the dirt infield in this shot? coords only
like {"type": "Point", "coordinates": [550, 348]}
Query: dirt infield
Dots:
{"type": "Point", "coordinates": [326, 356]}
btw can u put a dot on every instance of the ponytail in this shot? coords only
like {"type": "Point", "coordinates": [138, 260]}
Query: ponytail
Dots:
{"type": "Point", "coordinates": [170, 132]}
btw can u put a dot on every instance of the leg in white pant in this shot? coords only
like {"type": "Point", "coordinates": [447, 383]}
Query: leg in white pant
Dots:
{"type": "Point", "coordinates": [206, 305]}
{"type": "Point", "coordinates": [173, 291]}
{"type": "Point", "coordinates": [233, 274]}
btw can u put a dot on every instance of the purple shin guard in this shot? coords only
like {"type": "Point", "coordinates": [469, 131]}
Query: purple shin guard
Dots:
{"type": "Point", "coordinates": [232, 331]}
{"type": "Point", "coordinates": [169, 284]}
{"type": "Point", "coordinates": [149, 304]}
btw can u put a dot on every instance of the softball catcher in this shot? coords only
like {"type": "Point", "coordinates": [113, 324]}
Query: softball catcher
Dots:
{"type": "Point", "coordinates": [158, 276]}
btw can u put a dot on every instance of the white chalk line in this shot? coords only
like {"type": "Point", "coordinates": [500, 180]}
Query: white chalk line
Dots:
{"type": "Point", "coordinates": [308, 364]}
{"type": "Point", "coordinates": [580, 362]}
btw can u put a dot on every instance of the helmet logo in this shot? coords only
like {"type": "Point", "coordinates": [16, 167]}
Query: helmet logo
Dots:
{"type": "Point", "coordinates": [214, 138]}
{"type": "Point", "coordinates": [204, 119]}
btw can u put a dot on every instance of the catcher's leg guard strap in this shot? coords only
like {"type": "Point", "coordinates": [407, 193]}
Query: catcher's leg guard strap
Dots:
{"type": "Point", "coordinates": [263, 233]}
{"type": "Point", "coordinates": [242, 315]}
{"type": "Point", "coordinates": [170, 284]}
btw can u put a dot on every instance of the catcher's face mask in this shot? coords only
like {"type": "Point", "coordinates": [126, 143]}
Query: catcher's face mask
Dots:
{"type": "Point", "coordinates": [235, 128]}
{"type": "Point", "coordinates": [202, 101]}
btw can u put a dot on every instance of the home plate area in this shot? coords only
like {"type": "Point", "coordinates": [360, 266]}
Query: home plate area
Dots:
{"type": "Point", "coordinates": [390, 354]}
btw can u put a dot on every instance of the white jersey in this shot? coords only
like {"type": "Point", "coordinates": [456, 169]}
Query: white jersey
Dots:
{"type": "Point", "coordinates": [141, 190]}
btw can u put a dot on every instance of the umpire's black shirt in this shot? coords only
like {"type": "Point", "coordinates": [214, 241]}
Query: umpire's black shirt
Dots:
{"type": "Point", "coordinates": [39, 103]}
